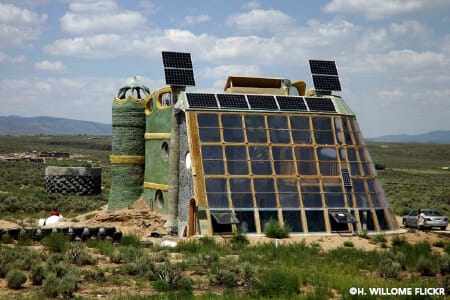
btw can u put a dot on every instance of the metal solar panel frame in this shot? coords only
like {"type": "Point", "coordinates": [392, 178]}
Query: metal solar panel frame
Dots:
{"type": "Point", "coordinates": [178, 69]}
{"type": "Point", "coordinates": [292, 103]}
{"type": "Point", "coordinates": [324, 67]}
{"type": "Point", "coordinates": [227, 101]}
{"type": "Point", "coordinates": [258, 102]}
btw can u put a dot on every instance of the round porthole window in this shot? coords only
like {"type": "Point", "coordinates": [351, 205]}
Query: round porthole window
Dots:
{"type": "Point", "coordinates": [188, 161]}
{"type": "Point", "coordinates": [165, 151]}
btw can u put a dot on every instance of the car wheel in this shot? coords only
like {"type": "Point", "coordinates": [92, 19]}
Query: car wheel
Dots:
{"type": "Point", "coordinates": [443, 227]}
{"type": "Point", "coordinates": [405, 224]}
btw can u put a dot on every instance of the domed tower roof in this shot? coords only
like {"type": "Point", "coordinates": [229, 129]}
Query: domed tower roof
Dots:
{"type": "Point", "coordinates": [134, 88]}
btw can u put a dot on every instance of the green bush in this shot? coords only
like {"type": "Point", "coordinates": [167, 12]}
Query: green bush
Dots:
{"type": "Point", "coordinates": [277, 281]}
{"type": "Point", "coordinates": [425, 266]}
{"type": "Point", "coordinates": [104, 247]}
{"type": "Point", "coordinates": [50, 285]}
{"type": "Point", "coordinates": [16, 279]}
{"type": "Point", "coordinates": [226, 278]}
{"type": "Point", "coordinates": [378, 238]}
{"type": "Point", "coordinates": [56, 242]}
{"type": "Point", "coordinates": [390, 269]}
{"type": "Point", "coordinates": [131, 240]}
{"type": "Point", "coordinates": [273, 229]}
{"type": "Point", "coordinates": [170, 278]}
{"type": "Point", "coordinates": [444, 264]}
{"type": "Point", "coordinates": [76, 254]}
{"type": "Point", "coordinates": [348, 244]}
{"type": "Point", "coordinates": [37, 274]}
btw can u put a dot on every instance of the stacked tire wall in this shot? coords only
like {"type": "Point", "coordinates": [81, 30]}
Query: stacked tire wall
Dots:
{"type": "Point", "coordinates": [73, 180]}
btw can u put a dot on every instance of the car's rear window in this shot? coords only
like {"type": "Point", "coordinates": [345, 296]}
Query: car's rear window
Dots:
{"type": "Point", "coordinates": [432, 213]}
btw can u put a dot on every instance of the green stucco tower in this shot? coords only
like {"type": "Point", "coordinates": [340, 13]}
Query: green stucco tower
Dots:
{"type": "Point", "coordinates": [128, 148]}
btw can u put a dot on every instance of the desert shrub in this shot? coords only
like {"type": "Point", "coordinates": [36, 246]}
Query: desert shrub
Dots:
{"type": "Point", "coordinates": [444, 264]}
{"type": "Point", "coordinates": [210, 259]}
{"type": "Point", "coordinates": [16, 279]}
{"type": "Point", "coordinates": [247, 272]}
{"type": "Point", "coordinates": [131, 240]}
{"type": "Point", "coordinates": [348, 244]}
{"type": "Point", "coordinates": [50, 285]}
{"type": "Point", "coordinates": [399, 241]}
{"type": "Point", "coordinates": [378, 238]}
{"type": "Point", "coordinates": [274, 229]}
{"type": "Point", "coordinates": [425, 266]}
{"type": "Point", "coordinates": [68, 284]}
{"type": "Point", "coordinates": [126, 254]}
{"type": "Point", "coordinates": [97, 275]}
{"type": "Point", "coordinates": [170, 278]}
{"type": "Point", "coordinates": [363, 234]}
{"type": "Point", "coordinates": [277, 281]}
{"type": "Point", "coordinates": [60, 284]}
{"type": "Point", "coordinates": [76, 254]}
{"type": "Point", "coordinates": [239, 240]}
{"type": "Point", "coordinates": [56, 242]}
{"type": "Point", "coordinates": [226, 278]}
{"type": "Point", "coordinates": [37, 274]}
{"type": "Point", "coordinates": [141, 266]}
{"type": "Point", "coordinates": [104, 247]}
{"type": "Point", "coordinates": [439, 244]}
{"type": "Point", "coordinates": [390, 269]}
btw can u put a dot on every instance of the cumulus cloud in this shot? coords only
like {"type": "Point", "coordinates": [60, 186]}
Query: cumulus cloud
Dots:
{"type": "Point", "coordinates": [191, 20]}
{"type": "Point", "coordinates": [45, 65]}
{"type": "Point", "coordinates": [382, 9]}
{"type": "Point", "coordinates": [224, 70]}
{"type": "Point", "coordinates": [260, 20]}
{"type": "Point", "coordinates": [19, 26]}
{"type": "Point", "coordinates": [103, 16]}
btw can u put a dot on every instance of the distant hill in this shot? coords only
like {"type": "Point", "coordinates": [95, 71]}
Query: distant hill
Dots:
{"type": "Point", "coordinates": [437, 137]}
{"type": "Point", "coordinates": [50, 126]}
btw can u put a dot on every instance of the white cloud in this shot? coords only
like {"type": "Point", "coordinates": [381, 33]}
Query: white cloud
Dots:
{"type": "Point", "coordinates": [11, 59]}
{"type": "Point", "coordinates": [259, 20]}
{"type": "Point", "coordinates": [382, 9]}
{"type": "Point", "coordinates": [19, 26]}
{"type": "Point", "coordinates": [225, 70]}
{"type": "Point", "coordinates": [101, 6]}
{"type": "Point", "coordinates": [147, 7]}
{"type": "Point", "coordinates": [252, 5]}
{"type": "Point", "coordinates": [2, 56]}
{"type": "Point", "coordinates": [45, 65]}
{"type": "Point", "coordinates": [390, 93]}
{"type": "Point", "coordinates": [191, 20]}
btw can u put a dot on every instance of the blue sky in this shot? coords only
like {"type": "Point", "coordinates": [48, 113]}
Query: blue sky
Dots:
{"type": "Point", "coordinates": [69, 58]}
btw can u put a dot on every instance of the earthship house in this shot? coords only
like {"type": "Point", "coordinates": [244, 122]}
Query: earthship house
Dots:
{"type": "Point", "coordinates": [263, 149]}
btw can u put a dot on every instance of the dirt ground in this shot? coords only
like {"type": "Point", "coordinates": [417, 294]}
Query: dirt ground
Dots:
{"type": "Point", "coordinates": [143, 222]}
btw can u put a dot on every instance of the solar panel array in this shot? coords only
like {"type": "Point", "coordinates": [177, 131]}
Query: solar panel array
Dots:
{"type": "Point", "coordinates": [325, 76]}
{"type": "Point", "coordinates": [259, 102]}
{"type": "Point", "coordinates": [178, 68]}
{"type": "Point", "coordinates": [346, 177]}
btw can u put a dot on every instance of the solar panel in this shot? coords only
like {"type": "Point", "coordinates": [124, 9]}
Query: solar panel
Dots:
{"type": "Point", "coordinates": [177, 60]}
{"type": "Point", "coordinates": [324, 67]}
{"type": "Point", "coordinates": [201, 100]}
{"type": "Point", "coordinates": [326, 83]}
{"type": "Point", "coordinates": [291, 103]}
{"type": "Point", "coordinates": [320, 104]}
{"type": "Point", "coordinates": [178, 68]}
{"type": "Point", "coordinates": [182, 77]}
{"type": "Point", "coordinates": [232, 101]}
{"type": "Point", "coordinates": [262, 102]}
{"type": "Point", "coordinates": [346, 177]}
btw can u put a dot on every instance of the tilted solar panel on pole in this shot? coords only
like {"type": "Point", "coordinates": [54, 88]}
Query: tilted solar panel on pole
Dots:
{"type": "Point", "coordinates": [325, 75]}
{"type": "Point", "coordinates": [178, 68]}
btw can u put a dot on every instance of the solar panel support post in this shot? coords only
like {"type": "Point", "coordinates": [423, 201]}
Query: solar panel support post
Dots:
{"type": "Point", "coordinates": [174, 160]}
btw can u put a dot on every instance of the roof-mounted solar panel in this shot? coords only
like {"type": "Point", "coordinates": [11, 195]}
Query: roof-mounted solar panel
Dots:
{"type": "Point", "coordinates": [262, 102]}
{"type": "Point", "coordinates": [320, 104]}
{"type": "Point", "coordinates": [232, 101]}
{"type": "Point", "coordinates": [178, 68]}
{"type": "Point", "coordinates": [325, 75]}
{"type": "Point", "coordinates": [346, 177]}
{"type": "Point", "coordinates": [197, 100]}
{"type": "Point", "coordinates": [326, 83]}
{"type": "Point", "coordinates": [291, 103]}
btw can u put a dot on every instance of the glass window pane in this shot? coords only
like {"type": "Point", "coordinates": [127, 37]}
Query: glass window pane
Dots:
{"type": "Point", "coordinates": [217, 200]}
{"type": "Point", "coordinates": [311, 200]}
{"type": "Point", "coordinates": [354, 167]}
{"type": "Point", "coordinates": [284, 167]}
{"type": "Point", "coordinates": [212, 152]}
{"type": "Point", "coordinates": [292, 218]}
{"type": "Point", "coordinates": [237, 167]}
{"type": "Point", "coordinates": [266, 200]}
{"type": "Point", "coordinates": [261, 167]}
{"type": "Point", "coordinates": [266, 215]}
{"type": "Point", "coordinates": [209, 134]}
{"type": "Point", "coordinates": [233, 135]}
{"type": "Point", "coordinates": [326, 154]}
{"type": "Point", "coordinates": [236, 152]}
{"type": "Point", "coordinates": [307, 168]}
{"type": "Point", "coordinates": [366, 219]}
{"type": "Point", "coordinates": [375, 200]}
{"type": "Point", "coordinates": [382, 219]}
{"type": "Point", "coordinates": [213, 167]}
{"type": "Point", "coordinates": [324, 137]}
{"type": "Point", "coordinates": [256, 136]}
{"type": "Point", "coordinates": [231, 121]}
{"type": "Point", "coordinates": [361, 200]}
{"type": "Point", "coordinates": [322, 123]}
{"type": "Point", "coordinates": [340, 137]}
{"type": "Point", "coordinates": [282, 153]}
{"type": "Point", "coordinates": [246, 221]}
{"type": "Point", "coordinates": [342, 154]}
{"type": "Point", "coordinates": [315, 220]}
{"type": "Point", "coordinates": [358, 186]}
{"type": "Point", "coordinates": [300, 123]}
{"type": "Point", "coordinates": [363, 154]}
{"type": "Point", "coordinates": [280, 136]}
{"type": "Point", "coordinates": [337, 124]}
{"type": "Point", "coordinates": [216, 185]}
{"type": "Point", "coordinates": [287, 185]}
{"type": "Point", "coordinates": [288, 200]}
{"type": "Point", "coordinates": [304, 153]}
{"type": "Point", "coordinates": [242, 200]}
{"type": "Point", "coordinates": [348, 138]}
{"type": "Point", "coordinates": [259, 153]}
{"type": "Point", "coordinates": [254, 121]}
{"type": "Point", "coordinates": [207, 120]}
{"type": "Point", "coordinates": [351, 154]}
{"type": "Point", "coordinates": [240, 185]}
{"type": "Point", "coordinates": [301, 137]}
{"type": "Point", "coordinates": [263, 185]}
{"type": "Point", "coordinates": [277, 122]}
